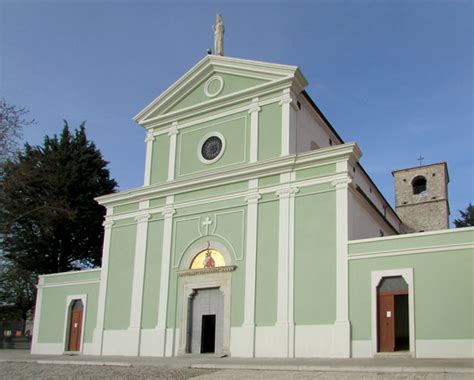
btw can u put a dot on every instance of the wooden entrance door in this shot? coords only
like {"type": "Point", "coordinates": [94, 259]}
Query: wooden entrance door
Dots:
{"type": "Point", "coordinates": [392, 321]}
{"type": "Point", "coordinates": [75, 326]}
{"type": "Point", "coordinates": [386, 323]}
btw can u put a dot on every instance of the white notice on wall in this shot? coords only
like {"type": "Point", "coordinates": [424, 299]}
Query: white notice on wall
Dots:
{"type": "Point", "coordinates": [389, 314]}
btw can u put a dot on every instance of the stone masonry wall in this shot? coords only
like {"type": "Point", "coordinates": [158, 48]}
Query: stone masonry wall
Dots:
{"type": "Point", "coordinates": [427, 211]}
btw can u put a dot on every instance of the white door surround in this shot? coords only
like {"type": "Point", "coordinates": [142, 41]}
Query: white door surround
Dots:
{"type": "Point", "coordinates": [195, 279]}
{"type": "Point", "coordinates": [376, 278]}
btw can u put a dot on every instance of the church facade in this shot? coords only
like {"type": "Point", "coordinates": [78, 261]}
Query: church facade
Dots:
{"type": "Point", "coordinates": [257, 233]}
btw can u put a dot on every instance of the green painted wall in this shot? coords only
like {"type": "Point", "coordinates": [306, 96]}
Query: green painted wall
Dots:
{"type": "Point", "coordinates": [157, 202]}
{"type": "Point", "coordinates": [72, 276]}
{"type": "Point", "coordinates": [238, 295]}
{"type": "Point", "coordinates": [443, 286]}
{"type": "Point", "coordinates": [269, 181]}
{"type": "Point", "coordinates": [185, 231]}
{"type": "Point", "coordinates": [151, 288]}
{"type": "Point", "coordinates": [210, 207]}
{"type": "Point", "coordinates": [213, 191]}
{"type": "Point", "coordinates": [269, 132]}
{"type": "Point", "coordinates": [125, 208]}
{"type": "Point", "coordinates": [172, 320]}
{"type": "Point", "coordinates": [160, 158]}
{"type": "Point", "coordinates": [228, 229]}
{"type": "Point", "coordinates": [315, 189]}
{"type": "Point", "coordinates": [197, 116]}
{"type": "Point", "coordinates": [53, 311]}
{"type": "Point", "coordinates": [316, 171]}
{"type": "Point", "coordinates": [234, 128]}
{"type": "Point", "coordinates": [232, 83]}
{"type": "Point", "coordinates": [267, 264]}
{"type": "Point", "coordinates": [120, 277]}
{"type": "Point", "coordinates": [315, 258]}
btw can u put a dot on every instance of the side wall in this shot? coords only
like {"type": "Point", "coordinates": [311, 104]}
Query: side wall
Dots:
{"type": "Point", "coordinates": [54, 297]}
{"type": "Point", "coordinates": [312, 134]}
{"type": "Point", "coordinates": [365, 221]}
{"type": "Point", "coordinates": [442, 266]}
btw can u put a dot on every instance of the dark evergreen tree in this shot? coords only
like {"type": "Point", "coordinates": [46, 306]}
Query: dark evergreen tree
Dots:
{"type": "Point", "coordinates": [50, 221]}
{"type": "Point", "coordinates": [467, 217]}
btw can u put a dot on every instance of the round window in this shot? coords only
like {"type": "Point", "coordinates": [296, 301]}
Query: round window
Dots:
{"type": "Point", "coordinates": [211, 148]}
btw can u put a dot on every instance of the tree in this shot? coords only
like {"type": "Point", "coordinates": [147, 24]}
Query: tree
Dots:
{"type": "Point", "coordinates": [17, 291]}
{"type": "Point", "coordinates": [467, 217]}
{"type": "Point", "coordinates": [12, 121]}
{"type": "Point", "coordinates": [51, 222]}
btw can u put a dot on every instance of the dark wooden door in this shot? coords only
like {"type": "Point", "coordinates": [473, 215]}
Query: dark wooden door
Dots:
{"type": "Point", "coordinates": [75, 327]}
{"type": "Point", "coordinates": [386, 323]}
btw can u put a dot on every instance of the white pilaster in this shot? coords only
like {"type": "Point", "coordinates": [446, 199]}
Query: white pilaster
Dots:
{"type": "Point", "coordinates": [291, 272]}
{"type": "Point", "coordinates": [149, 156]}
{"type": "Point", "coordinates": [104, 274]}
{"type": "Point", "coordinates": [288, 117]}
{"type": "Point", "coordinates": [253, 111]}
{"type": "Point", "coordinates": [138, 278]}
{"type": "Point", "coordinates": [39, 299]}
{"type": "Point", "coordinates": [173, 132]}
{"type": "Point", "coordinates": [285, 267]}
{"type": "Point", "coordinates": [165, 274]}
{"type": "Point", "coordinates": [248, 327]}
{"type": "Point", "coordinates": [342, 328]}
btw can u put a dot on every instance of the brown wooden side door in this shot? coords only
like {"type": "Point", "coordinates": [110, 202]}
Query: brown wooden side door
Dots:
{"type": "Point", "coordinates": [386, 323]}
{"type": "Point", "coordinates": [75, 330]}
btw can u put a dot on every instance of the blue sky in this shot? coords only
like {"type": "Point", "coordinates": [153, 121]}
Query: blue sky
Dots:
{"type": "Point", "coordinates": [394, 76]}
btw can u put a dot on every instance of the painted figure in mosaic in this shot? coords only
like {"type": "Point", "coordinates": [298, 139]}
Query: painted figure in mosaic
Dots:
{"type": "Point", "coordinates": [209, 261]}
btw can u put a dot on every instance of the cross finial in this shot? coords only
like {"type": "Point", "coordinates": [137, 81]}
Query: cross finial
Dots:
{"type": "Point", "coordinates": [421, 158]}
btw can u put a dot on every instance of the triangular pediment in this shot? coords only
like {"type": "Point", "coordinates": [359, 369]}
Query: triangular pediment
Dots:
{"type": "Point", "coordinates": [215, 79]}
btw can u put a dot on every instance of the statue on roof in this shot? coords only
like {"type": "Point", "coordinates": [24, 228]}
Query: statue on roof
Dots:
{"type": "Point", "coordinates": [218, 29]}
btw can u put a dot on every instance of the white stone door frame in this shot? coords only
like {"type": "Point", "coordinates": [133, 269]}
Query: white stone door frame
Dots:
{"type": "Point", "coordinates": [69, 301]}
{"type": "Point", "coordinates": [220, 278]}
{"type": "Point", "coordinates": [376, 278]}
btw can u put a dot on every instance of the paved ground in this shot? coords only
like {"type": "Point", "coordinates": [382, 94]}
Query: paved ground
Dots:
{"type": "Point", "coordinates": [22, 370]}
{"type": "Point", "coordinates": [303, 375]}
{"type": "Point", "coordinates": [25, 371]}
{"type": "Point", "coordinates": [20, 364]}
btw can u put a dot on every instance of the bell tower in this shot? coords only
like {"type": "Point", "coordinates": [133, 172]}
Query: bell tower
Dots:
{"type": "Point", "coordinates": [421, 197]}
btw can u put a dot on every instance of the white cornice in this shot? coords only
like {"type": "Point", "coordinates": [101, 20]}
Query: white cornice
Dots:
{"type": "Point", "coordinates": [240, 173]}
{"type": "Point", "coordinates": [72, 272]}
{"type": "Point", "coordinates": [68, 283]}
{"type": "Point", "coordinates": [417, 234]}
{"type": "Point", "coordinates": [216, 103]}
{"type": "Point", "coordinates": [213, 63]}
{"type": "Point", "coordinates": [248, 195]}
{"type": "Point", "coordinates": [447, 248]}
{"type": "Point", "coordinates": [215, 116]}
